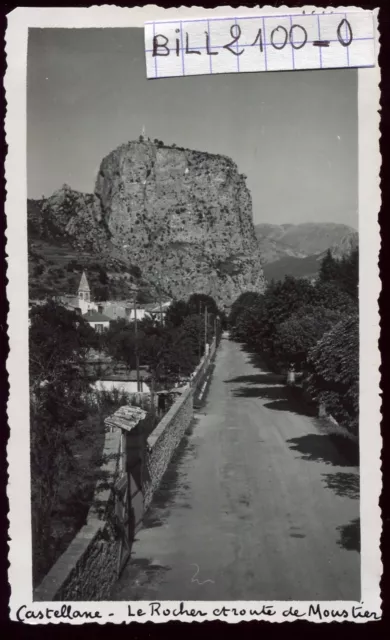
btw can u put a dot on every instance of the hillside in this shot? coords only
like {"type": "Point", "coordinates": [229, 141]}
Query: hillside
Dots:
{"type": "Point", "coordinates": [301, 240]}
{"type": "Point", "coordinates": [290, 266]}
{"type": "Point", "coordinates": [183, 217]}
{"type": "Point", "coordinates": [308, 267]}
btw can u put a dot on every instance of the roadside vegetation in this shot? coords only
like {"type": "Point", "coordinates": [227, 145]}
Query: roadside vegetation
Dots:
{"type": "Point", "coordinates": [67, 416]}
{"type": "Point", "coordinates": [313, 327]}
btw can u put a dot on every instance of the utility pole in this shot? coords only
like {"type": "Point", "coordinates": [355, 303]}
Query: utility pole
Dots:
{"type": "Point", "coordinates": [136, 343]}
{"type": "Point", "coordinates": [199, 336]}
{"type": "Point", "coordinates": [160, 301]}
{"type": "Point", "coordinates": [205, 331]}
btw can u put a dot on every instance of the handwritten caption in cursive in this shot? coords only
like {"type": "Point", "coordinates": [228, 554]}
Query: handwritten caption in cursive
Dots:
{"type": "Point", "coordinates": [264, 42]}
{"type": "Point", "coordinates": [315, 612]}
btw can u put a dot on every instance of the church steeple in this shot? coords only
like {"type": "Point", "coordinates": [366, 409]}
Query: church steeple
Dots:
{"type": "Point", "coordinates": [84, 291]}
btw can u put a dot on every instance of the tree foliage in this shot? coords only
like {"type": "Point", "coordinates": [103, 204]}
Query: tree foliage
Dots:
{"type": "Point", "coordinates": [295, 318]}
{"type": "Point", "coordinates": [334, 372]}
{"type": "Point", "coordinates": [198, 302]}
{"type": "Point", "coordinates": [344, 273]}
{"type": "Point", "coordinates": [176, 313]}
{"type": "Point", "coordinates": [59, 341]}
{"type": "Point", "coordinates": [301, 331]}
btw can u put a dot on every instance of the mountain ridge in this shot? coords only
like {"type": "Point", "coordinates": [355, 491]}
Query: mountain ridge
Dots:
{"type": "Point", "coordinates": [309, 266]}
{"type": "Point", "coordinates": [299, 240]}
{"type": "Point", "coordinates": [184, 217]}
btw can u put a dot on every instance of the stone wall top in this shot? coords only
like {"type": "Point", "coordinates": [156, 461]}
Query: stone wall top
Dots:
{"type": "Point", "coordinates": [126, 418]}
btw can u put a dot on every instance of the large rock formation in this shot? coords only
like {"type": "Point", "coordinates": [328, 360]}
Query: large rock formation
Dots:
{"type": "Point", "coordinates": [183, 217]}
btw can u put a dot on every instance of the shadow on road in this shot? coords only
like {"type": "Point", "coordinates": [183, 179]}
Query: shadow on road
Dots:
{"type": "Point", "coordinates": [259, 378]}
{"type": "Point", "coordinates": [273, 393]}
{"type": "Point", "coordinates": [138, 574]}
{"type": "Point", "coordinates": [350, 536]}
{"type": "Point", "coordinates": [345, 485]}
{"type": "Point", "coordinates": [258, 360]}
{"type": "Point", "coordinates": [320, 448]}
{"type": "Point", "coordinates": [283, 399]}
{"type": "Point", "coordinates": [172, 486]}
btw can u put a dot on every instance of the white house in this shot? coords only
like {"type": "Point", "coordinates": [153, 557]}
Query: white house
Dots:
{"type": "Point", "coordinates": [97, 320]}
{"type": "Point", "coordinates": [103, 312]}
{"type": "Point", "coordinates": [127, 386]}
{"type": "Point", "coordinates": [156, 311]}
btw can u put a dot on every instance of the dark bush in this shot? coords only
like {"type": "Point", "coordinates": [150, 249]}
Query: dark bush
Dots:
{"type": "Point", "coordinates": [334, 372]}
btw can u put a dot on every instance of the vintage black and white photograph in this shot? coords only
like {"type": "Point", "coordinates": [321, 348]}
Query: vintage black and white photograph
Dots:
{"type": "Point", "coordinates": [193, 328]}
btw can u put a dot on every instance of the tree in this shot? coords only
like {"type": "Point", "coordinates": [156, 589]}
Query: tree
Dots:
{"type": "Point", "coordinates": [176, 313]}
{"type": "Point", "coordinates": [349, 273]}
{"type": "Point", "coordinates": [343, 273]}
{"type": "Point", "coordinates": [246, 300]}
{"type": "Point", "coordinates": [197, 302]}
{"type": "Point", "coordinates": [332, 295]}
{"type": "Point", "coordinates": [281, 299]}
{"type": "Point", "coordinates": [59, 338]}
{"type": "Point", "coordinates": [301, 331]}
{"type": "Point", "coordinates": [245, 320]}
{"type": "Point", "coordinates": [334, 372]}
{"type": "Point", "coordinates": [101, 293]}
{"type": "Point", "coordinates": [144, 296]}
{"type": "Point", "coordinates": [103, 277]}
{"type": "Point", "coordinates": [59, 388]}
{"type": "Point", "coordinates": [119, 342]}
{"type": "Point", "coordinates": [167, 351]}
{"type": "Point", "coordinates": [329, 269]}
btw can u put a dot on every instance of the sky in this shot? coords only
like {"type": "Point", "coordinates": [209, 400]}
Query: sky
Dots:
{"type": "Point", "coordinates": [294, 134]}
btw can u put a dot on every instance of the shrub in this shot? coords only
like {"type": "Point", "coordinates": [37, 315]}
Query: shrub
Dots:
{"type": "Point", "coordinates": [334, 372]}
{"type": "Point", "coordinates": [301, 331]}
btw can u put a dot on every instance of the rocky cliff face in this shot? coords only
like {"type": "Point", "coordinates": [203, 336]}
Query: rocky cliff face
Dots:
{"type": "Point", "coordinates": [69, 214]}
{"type": "Point", "coordinates": [184, 217]}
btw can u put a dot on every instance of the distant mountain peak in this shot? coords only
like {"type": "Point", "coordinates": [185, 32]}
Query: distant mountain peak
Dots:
{"type": "Point", "coordinates": [299, 240]}
{"type": "Point", "coordinates": [297, 250]}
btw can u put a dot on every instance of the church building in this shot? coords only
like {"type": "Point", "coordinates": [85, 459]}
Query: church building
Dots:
{"type": "Point", "coordinates": [84, 296]}
{"type": "Point", "coordinates": [82, 301]}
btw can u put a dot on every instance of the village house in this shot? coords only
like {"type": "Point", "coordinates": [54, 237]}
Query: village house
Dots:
{"type": "Point", "coordinates": [116, 309]}
{"type": "Point", "coordinates": [100, 314]}
{"type": "Point", "coordinates": [97, 321]}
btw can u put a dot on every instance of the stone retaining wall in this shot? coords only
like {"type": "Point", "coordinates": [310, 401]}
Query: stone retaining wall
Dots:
{"type": "Point", "coordinates": [163, 441]}
{"type": "Point", "coordinates": [87, 569]}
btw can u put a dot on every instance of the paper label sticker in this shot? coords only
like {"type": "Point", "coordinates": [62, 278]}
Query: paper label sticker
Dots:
{"type": "Point", "coordinates": [263, 42]}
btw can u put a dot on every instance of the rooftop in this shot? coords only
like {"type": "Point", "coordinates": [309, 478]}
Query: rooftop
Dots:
{"type": "Point", "coordinates": [95, 316]}
{"type": "Point", "coordinates": [84, 286]}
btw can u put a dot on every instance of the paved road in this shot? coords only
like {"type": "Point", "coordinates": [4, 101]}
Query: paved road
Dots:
{"type": "Point", "coordinates": [258, 503]}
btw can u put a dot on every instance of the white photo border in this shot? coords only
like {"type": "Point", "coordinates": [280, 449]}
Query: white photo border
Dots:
{"type": "Point", "coordinates": [20, 556]}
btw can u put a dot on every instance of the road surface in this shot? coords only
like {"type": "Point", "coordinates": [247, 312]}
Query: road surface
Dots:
{"type": "Point", "coordinates": [258, 503]}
